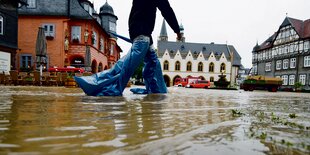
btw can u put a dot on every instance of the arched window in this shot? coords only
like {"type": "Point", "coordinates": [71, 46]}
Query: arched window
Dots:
{"type": "Point", "coordinates": [177, 66]}
{"type": "Point", "coordinates": [166, 65]}
{"type": "Point", "coordinates": [100, 67]}
{"type": "Point", "coordinates": [200, 67]}
{"type": "Point", "coordinates": [189, 66]}
{"type": "Point", "coordinates": [223, 68]}
{"type": "Point", "coordinates": [211, 79]}
{"type": "Point", "coordinates": [211, 67]}
{"type": "Point", "coordinates": [1, 25]}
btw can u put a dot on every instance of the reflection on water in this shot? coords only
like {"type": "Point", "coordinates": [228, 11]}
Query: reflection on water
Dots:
{"type": "Point", "coordinates": [50, 120]}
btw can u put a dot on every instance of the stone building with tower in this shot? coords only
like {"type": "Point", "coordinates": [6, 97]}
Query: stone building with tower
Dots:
{"type": "Point", "coordinates": [76, 34]}
{"type": "Point", "coordinates": [180, 59]}
{"type": "Point", "coordinates": [286, 54]}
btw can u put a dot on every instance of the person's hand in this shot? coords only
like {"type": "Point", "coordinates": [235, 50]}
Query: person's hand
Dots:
{"type": "Point", "coordinates": [179, 36]}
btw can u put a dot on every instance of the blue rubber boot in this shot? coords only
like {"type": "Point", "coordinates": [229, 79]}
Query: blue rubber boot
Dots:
{"type": "Point", "coordinates": [152, 75]}
{"type": "Point", "coordinates": [113, 82]}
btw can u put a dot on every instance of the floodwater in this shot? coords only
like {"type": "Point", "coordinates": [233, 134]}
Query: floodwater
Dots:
{"type": "Point", "coordinates": [63, 121]}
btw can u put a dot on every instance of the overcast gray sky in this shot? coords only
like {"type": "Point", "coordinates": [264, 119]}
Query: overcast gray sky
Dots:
{"type": "Point", "coordinates": [240, 23]}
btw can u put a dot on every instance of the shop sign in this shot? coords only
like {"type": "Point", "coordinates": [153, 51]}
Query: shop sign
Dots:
{"type": "Point", "coordinates": [5, 61]}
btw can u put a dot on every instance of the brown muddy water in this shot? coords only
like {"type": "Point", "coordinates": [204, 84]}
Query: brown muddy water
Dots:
{"type": "Point", "coordinates": [63, 121]}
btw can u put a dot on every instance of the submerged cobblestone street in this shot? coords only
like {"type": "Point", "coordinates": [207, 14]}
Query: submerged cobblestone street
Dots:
{"type": "Point", "coordinates": [58, 120]}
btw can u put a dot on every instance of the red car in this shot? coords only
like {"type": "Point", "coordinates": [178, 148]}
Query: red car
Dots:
{"type": "Point", "coordinates": [199, 84]}
{"type": "Point", "coordinates": [182, 82]}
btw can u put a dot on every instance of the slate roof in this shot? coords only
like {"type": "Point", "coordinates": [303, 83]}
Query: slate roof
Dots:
{"type": "Point", "coordinates": [196, 48]}
{"type": "Point", "coordinates": [47, 7]}
{"type": "Point", "coordinates": [77, 11]}
{"type": "Point", "coordinates": [302, 28]}
{"type": "Point", "coordinates": [57, 8]}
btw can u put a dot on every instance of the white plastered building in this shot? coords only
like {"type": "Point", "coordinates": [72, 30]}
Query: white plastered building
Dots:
{"type": "Point", "coordinates": [181, 59]}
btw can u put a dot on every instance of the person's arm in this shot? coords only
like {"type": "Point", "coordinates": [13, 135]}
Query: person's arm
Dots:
{"type": "Point", "coordinates": [168, 14]}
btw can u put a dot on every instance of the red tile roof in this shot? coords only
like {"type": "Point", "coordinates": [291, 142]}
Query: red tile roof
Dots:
{"type": "Point", "coordinates": [306, 28]}
{"type": "Point", "coordinates": [302, 28]}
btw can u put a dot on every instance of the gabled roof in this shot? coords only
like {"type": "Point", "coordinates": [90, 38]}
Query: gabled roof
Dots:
{"type": "Point", "coordinates": [296, 23]}
{"type": "Point", "coordinates": [302, 28]}
{"type": "Point", "coordinates": [196, 48]}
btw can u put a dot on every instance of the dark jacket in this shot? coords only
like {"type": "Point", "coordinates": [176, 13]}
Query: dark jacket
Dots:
{"type": "Point", "coordinates": [143, 14]}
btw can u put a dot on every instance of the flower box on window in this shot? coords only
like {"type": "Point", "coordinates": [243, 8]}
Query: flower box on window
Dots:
{"type": "Point", "coordinates": [49, 37]}
{"type": "Point", "coordinates": [75, 40]}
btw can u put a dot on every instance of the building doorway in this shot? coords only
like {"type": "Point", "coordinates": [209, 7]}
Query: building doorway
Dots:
{"type": "Point", "coordinates": [94, 66]}
{"type": "Point", "coordinates": [77, 61]}
{"type": "Point", "coordinates": [167, 80]}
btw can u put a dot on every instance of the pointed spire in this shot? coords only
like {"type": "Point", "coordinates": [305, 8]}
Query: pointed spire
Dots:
{"type": "Point", "coordinates": [163, 32]}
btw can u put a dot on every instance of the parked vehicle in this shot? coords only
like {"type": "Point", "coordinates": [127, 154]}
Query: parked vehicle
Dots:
{"type": "Point", "coordinates": [182, 82]}
{"type": "Point", "coordinates": [261, 82]}
{"type": "Point", "coordinates": [199, 84]}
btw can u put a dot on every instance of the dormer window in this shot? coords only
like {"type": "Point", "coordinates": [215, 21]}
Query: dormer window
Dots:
{"type": "Point", "coordinates": [182, 47]}
{"type": "Point", "coordinates": [204, 48]}
{"type": "Point", "coordinates": [88, 8]}
{"type": "Point", "coordinates": [31, 3]}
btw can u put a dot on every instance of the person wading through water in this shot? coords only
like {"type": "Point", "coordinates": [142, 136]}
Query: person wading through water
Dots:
{"type": "Point", "coordinates": [141, 22]}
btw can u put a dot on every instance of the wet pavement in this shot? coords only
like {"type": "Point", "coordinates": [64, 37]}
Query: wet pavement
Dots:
{"type": "Point", "coordinates": [62, 121]}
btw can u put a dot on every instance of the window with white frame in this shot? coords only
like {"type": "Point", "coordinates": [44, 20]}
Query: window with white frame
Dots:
{"type": "Point", "coordinates": [166, 65]}
{"type": "Point", "coordinates": [285, 64]}
{"type": "Point", "coordinates": [31, 3]}
{"type": "Point", "coordinates": [254, 69]}
{"type": "Point", "coordinates": [49, 30]}
{"type": "Point", "coordinates": [306, 45]}
{"type": "Point", "coordinates": [94, 38]}
{"type": "Point", "coordinates": [293, 63]}
{"type": "Point", "coordinates": [76, 33]}
{"type": "Point", "coordinates": [296, 47]}
{"type": "Point", "coordinates": [291, 80]}
{"type": "Point", "coordinates": [302, 79]}
{"type": "Point", "coordinates": [264, 55]}
{"type": "Point", "coordinates": [301, 46]}
{"type": "Point", "coordinates": [291, 48]}
{"type": "Point", "coordinates": [1, 25]}
{"type": "Point", "coordinates": [278, 65]}
{"type": "Point", "coordinates": [284, 79]}
{"type": "Point", "coordinates": [307, 61]}
{"type": "Point", "coordinates": [112, 49]}
{"type": "Point", "coordinates": [101, 44]}
{"type": "Point", "coordinates": [285, 50]}
{"type": "Point", "coordinates": [268, 66]}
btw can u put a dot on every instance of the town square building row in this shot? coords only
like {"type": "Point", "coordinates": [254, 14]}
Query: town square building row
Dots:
{"type": "Point", "coordinates": [76, 34]}
{"type": "Point", "coordinates": [286, 54]}
{"type": "Point", "coordinates": [182, 59]}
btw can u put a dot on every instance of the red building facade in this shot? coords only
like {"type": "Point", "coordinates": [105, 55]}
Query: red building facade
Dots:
{"type": "Point", "coordinates": [75, 35]}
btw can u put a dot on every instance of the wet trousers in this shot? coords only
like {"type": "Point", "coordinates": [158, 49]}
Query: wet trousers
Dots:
{"type": "Point", "coordinates": [112, 82]}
